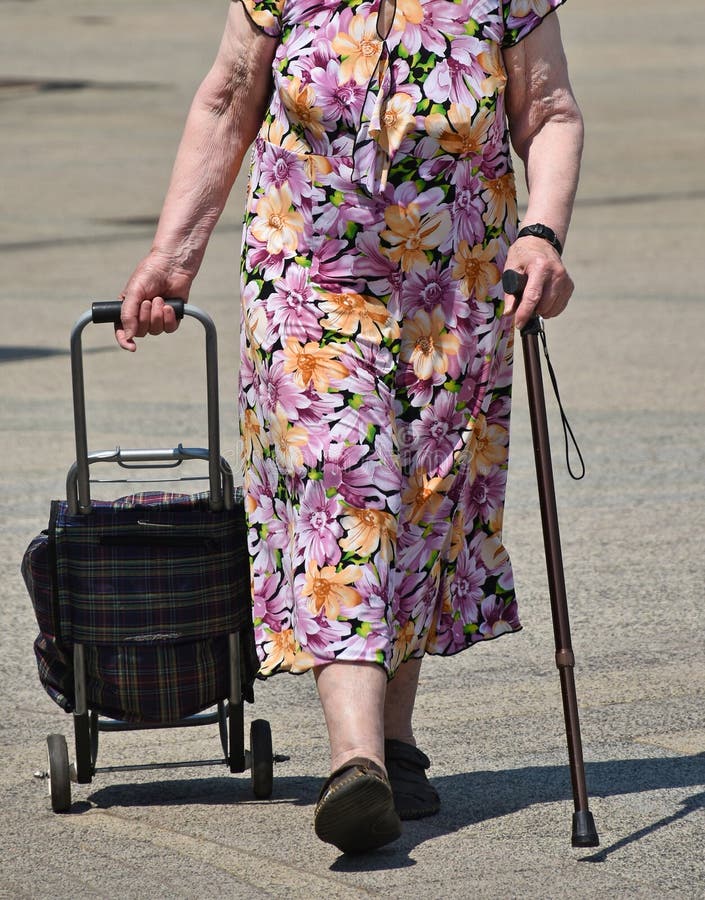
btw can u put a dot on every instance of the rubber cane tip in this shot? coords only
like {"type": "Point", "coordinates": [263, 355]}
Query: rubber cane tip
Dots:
{"type": "Point", "coordinates": [584, 831]}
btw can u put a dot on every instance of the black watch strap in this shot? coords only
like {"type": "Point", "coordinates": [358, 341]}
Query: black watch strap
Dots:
{"type": "Point", "coordinates": [542, 231]}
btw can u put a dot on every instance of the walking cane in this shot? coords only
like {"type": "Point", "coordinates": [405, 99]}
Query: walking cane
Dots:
{"type": "Point", "coordinates": [584, 833]}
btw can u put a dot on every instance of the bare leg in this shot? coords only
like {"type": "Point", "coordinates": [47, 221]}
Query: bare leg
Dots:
{"type": "Point", "coordinates": [414, 796]}
{"type": "Point", "coordinates": [355, 810]}
{"type": "Point", "coordinates": [399, 703]}
{"type": "Point", "coordinates": [352, 696]}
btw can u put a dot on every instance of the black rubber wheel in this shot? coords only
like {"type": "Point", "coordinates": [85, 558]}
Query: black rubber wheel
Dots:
{"type": "Point", "coordinates": [59, 773]}
{"type": "Point", "coordinates": [262, 768]}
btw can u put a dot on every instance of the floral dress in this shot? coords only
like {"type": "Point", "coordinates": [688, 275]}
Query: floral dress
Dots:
{"type": "Point", "coordinates": [375, 377]}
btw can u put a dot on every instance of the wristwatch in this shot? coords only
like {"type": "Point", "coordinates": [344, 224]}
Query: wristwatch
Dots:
{"type": "Point", "coordinates": [542, 231]}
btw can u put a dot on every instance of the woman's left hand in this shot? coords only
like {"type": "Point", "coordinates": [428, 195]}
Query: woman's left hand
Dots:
{"type": "Point", "coordinates": [549, 286]}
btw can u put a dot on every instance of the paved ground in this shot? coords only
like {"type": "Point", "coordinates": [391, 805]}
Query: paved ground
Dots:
{"type": "Point", "coordinates": [92, 97]}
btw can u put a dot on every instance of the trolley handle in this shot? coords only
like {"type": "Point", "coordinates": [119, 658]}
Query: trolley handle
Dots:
{"type": "Point", "coordinates": [109, 310]}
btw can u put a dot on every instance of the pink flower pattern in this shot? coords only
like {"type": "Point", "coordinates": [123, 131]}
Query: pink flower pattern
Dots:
{"type": "Point", "coordinates": [376, 369]}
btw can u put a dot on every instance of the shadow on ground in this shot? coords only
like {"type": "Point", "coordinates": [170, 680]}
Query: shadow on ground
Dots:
{"type": "Point", "coordinates": [19, 354]}
{"type": "Point", "coordinates": [468, 798]}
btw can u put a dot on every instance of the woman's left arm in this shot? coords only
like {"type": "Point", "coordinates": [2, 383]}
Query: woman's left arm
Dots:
{"type": "Point", "coordinates": [546, 128]}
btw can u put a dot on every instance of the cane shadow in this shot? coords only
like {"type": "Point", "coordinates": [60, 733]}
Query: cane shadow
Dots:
{"type": "Point", "coordinates": [474, 797]}
{"type": "Point", "coordinates": [468, 799]}
{"type": "Point", "coordinates": [690, 805]}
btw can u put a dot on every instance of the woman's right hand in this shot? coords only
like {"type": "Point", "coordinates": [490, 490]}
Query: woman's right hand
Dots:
{"type": "Point", "coordinates": [144, 311]}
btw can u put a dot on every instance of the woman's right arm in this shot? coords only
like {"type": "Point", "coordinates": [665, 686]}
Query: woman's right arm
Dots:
{"type": "Point", "coordinates": [224, 119]}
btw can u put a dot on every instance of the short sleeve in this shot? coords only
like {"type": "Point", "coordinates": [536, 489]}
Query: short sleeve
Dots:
{"type": "Point", "coordinates": [522, 16]}
{"type": "Point", "coordinates": [266, 14]}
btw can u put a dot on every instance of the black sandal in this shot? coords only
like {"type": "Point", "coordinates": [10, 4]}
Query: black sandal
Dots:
{"type": "Point", "coordinates": [355, 809]}
{"type": "Point", "coordinates": [414, 796]}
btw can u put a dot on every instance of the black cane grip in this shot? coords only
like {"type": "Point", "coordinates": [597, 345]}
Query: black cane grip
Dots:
{"type": "Point", "coordinates": [109, 310]}
{"type": "Point", "coordinates": [514, 282]}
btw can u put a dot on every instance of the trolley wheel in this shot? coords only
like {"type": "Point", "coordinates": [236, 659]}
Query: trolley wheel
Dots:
{"type": "Point", "coordinates": [262, 768]}
{"type": "Point", "coordinates": [59, 773]}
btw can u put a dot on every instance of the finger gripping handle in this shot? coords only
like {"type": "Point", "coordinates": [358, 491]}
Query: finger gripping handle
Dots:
{"type": "Point", "coordinates": [514, 282]}
{"type": "Point", "coordinates": [109, 310]}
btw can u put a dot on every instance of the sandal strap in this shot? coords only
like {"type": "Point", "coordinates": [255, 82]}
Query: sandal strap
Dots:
{"type": "Point", "coordinates": [357, 762]}
{"type": "Point", "coordinates": [401, 752]}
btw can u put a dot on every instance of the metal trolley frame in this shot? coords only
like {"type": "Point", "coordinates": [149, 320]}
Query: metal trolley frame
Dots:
{"type": "Point", "coordinates": [228, 714]}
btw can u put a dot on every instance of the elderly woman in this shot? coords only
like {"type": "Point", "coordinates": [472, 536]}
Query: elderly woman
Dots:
{"type": "Point", "coordinates": [376, 340]}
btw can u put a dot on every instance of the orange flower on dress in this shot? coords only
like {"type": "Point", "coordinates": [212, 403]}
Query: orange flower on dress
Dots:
{"type": "Point", "coordinates": [312, 364]}
{"type": "Point", "coordinates": [329, 590]}
{"type": "Point", "coordinates": [492, 62]}
{"type": "Point", "coordinates": [411, 235]}
{"type": "Point", "coordinates": [446, 603]}
{"type": "Point", "coordinates": [255, 320]}
{"type": "Point", "coordinates": [367, 530]}
{"type": "Point", "coordinates": [407, 12]}
{"type": "Point", "coordinates": [300, 101]}
{"type": "Point", "coordinates": [251, 434]}
{"type": "Point", "coordinates": [403, 643]}
{"type": "Point", "coordinates": [359, 48]}
{"type": "Point", "coordinates": [349, 312]}
{"type": "Point", "coordinates": [426, 345]}
{"type": "Point", "coordinates": [494, 523]}
{"type": "Point", "coordinates": [487, 446]}
{"type": "Point", "coordinates": [287, 440]}
{"type": "Point", "coordinates": [460, 134]}
{"type": "Point", "coordinates": [265, 18]}
{"type": "Point", "coordinates": [277, 224]}
{"type": "Point", "coordinates": [492, 552]}
{"type": "Point", "coordinates": [282, 650]}
{"type": "Point", "coordinates": [317, 165]}
{"type": "Point", "coordinates": [396, 121]}
{"type": "Point", "coordinates": [276, 134]}
{"type": "Point", "coordinates": [457, 535]}
{"type": "Point", "coordinates": [475, 269]}
{"type": "Point", "coordinates": [500, 196]}
{"type": "Point", "coordinates": [249, 502]}
{"type": "Point", "coordinates": [424, 495]}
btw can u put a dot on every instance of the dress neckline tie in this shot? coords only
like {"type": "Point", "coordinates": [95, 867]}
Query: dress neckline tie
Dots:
{"type": "Point", "coordinates": [375, 143]}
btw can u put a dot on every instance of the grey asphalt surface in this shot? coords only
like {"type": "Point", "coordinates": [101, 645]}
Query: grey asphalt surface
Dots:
{"type": "Point", "coordinates": [92, 100]}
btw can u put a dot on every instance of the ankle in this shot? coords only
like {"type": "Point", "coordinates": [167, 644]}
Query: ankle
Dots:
{"type": "Point", "coordinates": [400, 734]}
{"type": "Point", "coordinates": [339, 759]}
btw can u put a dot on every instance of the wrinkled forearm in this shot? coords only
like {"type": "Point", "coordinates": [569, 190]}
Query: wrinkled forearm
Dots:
{"type": "Point", "coordinates": [552, 165]}
{"type": "Point", "coordinates": [222, 122]}
{"type": "Point", "coordinates": [546, 125]}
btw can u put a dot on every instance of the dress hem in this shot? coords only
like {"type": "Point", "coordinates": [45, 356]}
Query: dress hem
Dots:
{"type": "Point", "coordinates": [280, 670]}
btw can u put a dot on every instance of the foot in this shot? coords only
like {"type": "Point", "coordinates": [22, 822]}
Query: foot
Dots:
{"type": "Point", "coordinates": [355, 810]}
{"type": "Point", "coordinates": [414, 796]}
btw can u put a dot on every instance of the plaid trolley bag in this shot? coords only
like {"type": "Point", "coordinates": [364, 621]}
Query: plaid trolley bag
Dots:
{"type": "Point", "coordinates": [143, 603]}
